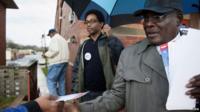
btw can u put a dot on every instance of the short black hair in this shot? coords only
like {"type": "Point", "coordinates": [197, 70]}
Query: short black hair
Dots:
{"type": "Point", "coordinates": [98, 14]}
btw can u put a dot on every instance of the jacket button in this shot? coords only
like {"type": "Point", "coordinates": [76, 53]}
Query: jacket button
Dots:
{"type": "Point", "coordinates": [147, 79]}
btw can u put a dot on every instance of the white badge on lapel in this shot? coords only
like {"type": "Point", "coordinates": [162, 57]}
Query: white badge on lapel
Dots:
{"type": "Point", "coordinates": [88, 56]}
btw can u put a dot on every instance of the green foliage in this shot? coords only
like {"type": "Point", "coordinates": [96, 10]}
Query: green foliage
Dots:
{"type": "Point", "coordinates": [5, 102]}
{"type": "Point", "coordinates": [13, 45]}
{"type": "Point", "coordinates": [45, 70]}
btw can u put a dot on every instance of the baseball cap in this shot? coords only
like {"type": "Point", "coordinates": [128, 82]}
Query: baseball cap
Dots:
{"type": "Point", "coordinates": [159, 6]}
{"type": "Point", "coordinates": [51, 31]}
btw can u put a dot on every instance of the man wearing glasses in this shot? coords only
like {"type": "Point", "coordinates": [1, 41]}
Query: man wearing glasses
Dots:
{"type": "Point", "coordinates": [97, 58]}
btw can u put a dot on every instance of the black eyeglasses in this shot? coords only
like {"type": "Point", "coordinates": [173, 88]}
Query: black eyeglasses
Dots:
{"type": "Point", "coordinates": [156, 18]}
{"type": "Point", "coordinates": [92, 21]}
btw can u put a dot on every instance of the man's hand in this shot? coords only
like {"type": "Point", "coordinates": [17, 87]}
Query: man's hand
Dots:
{"type": "Point", "coordinates": [49, 104]}
{"type": "Point", "coordinates": [43, 55]}
{"type": "Point", "coordinates": [71, 107]}
{"type": "Point", "coordinates": [194, 86]}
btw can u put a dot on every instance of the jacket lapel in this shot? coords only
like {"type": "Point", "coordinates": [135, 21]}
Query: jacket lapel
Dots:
{"type": "Point", "coordinates": [152, 59]}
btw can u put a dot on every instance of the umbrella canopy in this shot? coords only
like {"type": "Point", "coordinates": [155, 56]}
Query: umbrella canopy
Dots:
{"type": "Point", "coordinates": [119, 12]}
{"type": "Point", "coordinates": [116, 12]}
{"type": "Point", "coordinates": [191, 6]}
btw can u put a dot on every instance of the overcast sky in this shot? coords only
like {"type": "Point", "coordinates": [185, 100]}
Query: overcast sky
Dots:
{"type": "Point", "coordinates": [33, 18]}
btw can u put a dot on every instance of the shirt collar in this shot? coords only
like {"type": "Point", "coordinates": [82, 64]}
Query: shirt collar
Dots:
{"type": "Point", "coordinates": [144, 45]}
{"type": "Point", "coordinates": [172, 41]}
{"type": "Point", "coordinates": [99, 37]}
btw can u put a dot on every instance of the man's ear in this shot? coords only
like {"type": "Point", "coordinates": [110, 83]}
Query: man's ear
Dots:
{"type": "Point", "coordinates": [178, 22]}
{"type": "Point", "coordinates": [102, 24]}
{"type": "Point", "coordinates": [179, 18]}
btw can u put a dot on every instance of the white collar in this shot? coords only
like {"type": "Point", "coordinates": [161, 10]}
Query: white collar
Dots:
{"type": "Point", "coordinates": [173, 40]}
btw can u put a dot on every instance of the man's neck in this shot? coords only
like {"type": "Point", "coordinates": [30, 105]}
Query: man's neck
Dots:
{"type": "Point", "coordinates": [53, 35]}
{"type": "Point", "coordinates": [95, 36]}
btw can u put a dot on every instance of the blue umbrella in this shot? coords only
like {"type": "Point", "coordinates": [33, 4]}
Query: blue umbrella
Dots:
{"type": "Point", "coordinates": [191, 6]}
{"type": "Point", "coordinates": [116, 12]}
{"type": "Point", "coordinates": [119, 12]}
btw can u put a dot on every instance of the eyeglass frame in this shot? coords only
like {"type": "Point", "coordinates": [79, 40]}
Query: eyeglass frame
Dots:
{"type": "Point", "coordinates": [157, 17]}
{"type": "Point", "coordinates": [92, 21]}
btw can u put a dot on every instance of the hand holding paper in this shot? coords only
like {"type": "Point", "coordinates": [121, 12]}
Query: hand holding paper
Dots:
{"type": "Point", "coordinates": [194, 86]}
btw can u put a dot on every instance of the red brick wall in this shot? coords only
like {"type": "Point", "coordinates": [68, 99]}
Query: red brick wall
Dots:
{"type": "Point", "coordinates": [195, 21]}
{"type": "Point", "coordinates": [58, 14]}
{"type": "Point", "coordinates": [2, 34]}
{"type": "Point", "coordinates": [129, 40]}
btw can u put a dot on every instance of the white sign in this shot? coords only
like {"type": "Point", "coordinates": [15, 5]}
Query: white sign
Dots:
{"type": "Point", "coordinates": [184, 60]}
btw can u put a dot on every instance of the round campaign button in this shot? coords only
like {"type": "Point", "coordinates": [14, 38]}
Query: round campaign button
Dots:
{"type": "Point", "coordinates": [88, 56]}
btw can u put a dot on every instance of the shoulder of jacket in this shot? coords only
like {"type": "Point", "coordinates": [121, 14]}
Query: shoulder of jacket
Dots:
{"type": "Point", "coordinates": [84, 40]}
{"type": "Point", "coordinates": [135, 47]}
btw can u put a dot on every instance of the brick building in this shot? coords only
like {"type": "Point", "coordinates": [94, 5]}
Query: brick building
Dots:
{"type": "Point", "coordinates": [3, 5]}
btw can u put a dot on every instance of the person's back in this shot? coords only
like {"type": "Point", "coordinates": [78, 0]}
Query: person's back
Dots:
{"type": "Point", "coordinates": [60, 47]}
{"type": "Point", "coordinates": [57, 54]}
